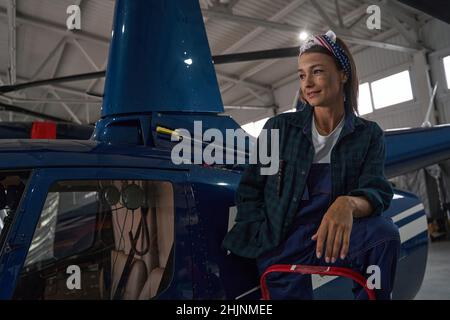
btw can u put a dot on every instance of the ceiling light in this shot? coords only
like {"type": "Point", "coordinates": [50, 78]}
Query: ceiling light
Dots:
{"type": "Point", "coordinates": [303, 35]}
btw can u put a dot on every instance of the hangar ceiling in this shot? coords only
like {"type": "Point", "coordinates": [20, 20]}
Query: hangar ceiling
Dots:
{"type": "Point", "coordinates": [35, 44]}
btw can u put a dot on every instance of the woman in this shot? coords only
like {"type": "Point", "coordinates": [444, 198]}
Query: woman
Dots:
{"type": "Point", "coordinates": [324, 206]}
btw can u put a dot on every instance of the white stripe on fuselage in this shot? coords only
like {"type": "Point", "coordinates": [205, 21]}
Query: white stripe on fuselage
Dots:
{"type": "Point", "coordinates": [412, 229]}
{"type": "Point", "coordinates": [407, 213]}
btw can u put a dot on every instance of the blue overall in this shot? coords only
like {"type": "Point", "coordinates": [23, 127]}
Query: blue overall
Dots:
{"type": "Point", "coordinates": [373, 241]}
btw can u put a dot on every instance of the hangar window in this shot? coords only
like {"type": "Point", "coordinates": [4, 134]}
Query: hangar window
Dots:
{"type": "Point", "coordinates": [364, 99]}
{"type": "Point", "coordinates": [254, 128]}
{"type": "Point", "coordinates": [447, 70]}
{"type": "Point", "coordinates": [392, 90]}
{"type": "Point", "coordinates": [116, 237]}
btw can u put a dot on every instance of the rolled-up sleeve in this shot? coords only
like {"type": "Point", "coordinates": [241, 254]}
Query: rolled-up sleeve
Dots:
{"type": "Point", "coordinates": [372, 183]}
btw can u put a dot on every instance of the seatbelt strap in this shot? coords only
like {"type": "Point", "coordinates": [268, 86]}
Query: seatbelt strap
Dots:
{"type": "Point", "coordinates": [118, 293]}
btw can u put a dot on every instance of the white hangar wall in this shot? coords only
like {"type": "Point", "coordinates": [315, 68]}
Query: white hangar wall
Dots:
{"type": "Point", "coordinates": [437, 36]}
{"type": "Point", "coordinates": [387, 62]}
{"type": "Point", "coordinates": [374, 64]}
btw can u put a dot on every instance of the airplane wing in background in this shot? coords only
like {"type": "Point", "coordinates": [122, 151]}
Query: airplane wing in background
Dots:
{"type": "Point", "coordinates": [412, 149]}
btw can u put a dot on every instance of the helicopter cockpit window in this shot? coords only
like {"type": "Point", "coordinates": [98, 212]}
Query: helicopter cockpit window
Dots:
{"type": "Point", "coordinates": [101, 240]}
{"type": "Point", "coordinates": [12, 185]}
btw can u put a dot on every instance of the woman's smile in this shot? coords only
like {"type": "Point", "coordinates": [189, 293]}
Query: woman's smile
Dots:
{"type": "Point", "coordinates": [313, 94]}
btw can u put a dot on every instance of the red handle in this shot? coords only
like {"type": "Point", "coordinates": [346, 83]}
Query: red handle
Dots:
{"type": "Point", "coordinates": [320, 270]}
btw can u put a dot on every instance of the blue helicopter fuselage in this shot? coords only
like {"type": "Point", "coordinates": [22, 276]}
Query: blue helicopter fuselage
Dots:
{"type": "Point", "coordinates": [203, 216]}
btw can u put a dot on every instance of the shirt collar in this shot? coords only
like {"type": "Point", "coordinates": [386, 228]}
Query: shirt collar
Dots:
{"type": "Point", "coordinates": [303, 118]}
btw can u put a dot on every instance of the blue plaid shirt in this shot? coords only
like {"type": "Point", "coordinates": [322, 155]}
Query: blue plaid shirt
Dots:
{"type": "Point", "coordinates": [357, 169]}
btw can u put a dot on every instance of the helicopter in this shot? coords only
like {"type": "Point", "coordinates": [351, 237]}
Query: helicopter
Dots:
{"type": "Point", "coordinates": [113, 217]}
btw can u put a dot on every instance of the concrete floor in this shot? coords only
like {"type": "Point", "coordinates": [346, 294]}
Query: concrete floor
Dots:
{"type": "Point", "coordinates": [436, 283]}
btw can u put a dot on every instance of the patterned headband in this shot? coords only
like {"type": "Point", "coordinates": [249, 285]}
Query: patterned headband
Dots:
{"type": "Point", "coordinates": [328, 41]}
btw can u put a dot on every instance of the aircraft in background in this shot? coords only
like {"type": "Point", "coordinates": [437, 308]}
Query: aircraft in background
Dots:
{"type": "Point", "coordinates": [45, 130]}
{"type": "Point", "coordinates": [118, 212]}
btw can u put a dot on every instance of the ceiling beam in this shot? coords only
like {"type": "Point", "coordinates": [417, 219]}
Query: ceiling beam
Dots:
{"type": "Point", "coordinates": [259, 97]}
{"type": "Point", "coordinates": [211, 13]}
{"type": "Point", "coordinates": [250, 87]}
{"type": "Point", "coordinates": [60, 53]}
{"type": "Point", "coordinates": [245, 83]}
{"type": "Point", "coordinates": [53, 101]}
{"type": "Point", "coordinates": [353, 15]}
{"type": "Point", "coordinates": [50, 56]}
{"type": "Point", "coordinates": [85, 54]}
{"type": "Point", "coordinates": [88, 118]}
{"type": "Point", "coordinates": [379, 44]}
{"type": "Point", "coordinates": [95, 81]}
{"type": "Point", "coordinates": [57, 28]}
{"type": "Point", "coordinates": [11, 13]}
{"type": "Point", "coordinates": [7, 99]}
{"type": "Point", "coordinates": [232, 3]}
{"type": "Point", "coordinates": [242, 100]}
{"type": "Point", "coordinates": [357, 20]}
{"type": "Point", "coordinates": [402, 12]}
{"type": "Point", "coordinates": [410, 35]}
{"type": "Point", "coordinates": [339, 14]}
{"type": "Point", "coordinates": [61, 88]}
{"type": "Point", "coordinates": [281, 26]}
{"type": "Point", "coordinates": [66, 107]}
{"type": "Point", "coordinates": [406, 24]}
{"type": "Point", "coordinates": [379, 37]}
{"type": "Point", "coordinates": [247, 74]}
{"type": "Point", "coordinates": [260, 29]}
{"type": "Point", "coordinates": [325, 17]}
{"type": "Point", "coordinates": [89, 59]}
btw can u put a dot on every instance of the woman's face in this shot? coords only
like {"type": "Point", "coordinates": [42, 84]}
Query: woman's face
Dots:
{"type": "Point", "coordinates": [321, 83]}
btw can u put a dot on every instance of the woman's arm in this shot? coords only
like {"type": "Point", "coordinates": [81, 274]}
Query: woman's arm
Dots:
{"type": "Point", "coordinates": [372, 184]}
{"type": "Point", "coordinates": [360, 206]}
{"type": "Point", "coordinates": [372, 197]}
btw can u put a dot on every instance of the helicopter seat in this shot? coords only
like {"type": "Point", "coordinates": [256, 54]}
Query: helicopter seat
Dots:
{"type": "Point", "coordinates": [164, 235]}
{"type": "Point", "coordinates": [145, 271]}
{"type": "Point", "coordinates": [136, 278]}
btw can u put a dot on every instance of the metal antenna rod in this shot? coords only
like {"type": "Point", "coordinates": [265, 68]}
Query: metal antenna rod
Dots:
{"type": "Point", "coordinates": [426, 123]}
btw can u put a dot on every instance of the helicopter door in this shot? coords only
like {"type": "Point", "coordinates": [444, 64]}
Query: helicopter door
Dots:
{"type": "Point", "coordinates": [105, 238]}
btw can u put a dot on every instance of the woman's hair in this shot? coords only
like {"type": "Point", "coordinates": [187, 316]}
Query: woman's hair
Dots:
{"type": "Point", "coordinates": [351, 87]}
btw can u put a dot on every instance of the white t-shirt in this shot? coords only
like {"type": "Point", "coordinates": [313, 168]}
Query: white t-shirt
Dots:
{"type": "Point", "coordinates": [324, 144]}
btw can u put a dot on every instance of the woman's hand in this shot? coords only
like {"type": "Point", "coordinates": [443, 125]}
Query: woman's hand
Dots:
{"type": "Point", "coordinates": [335, 229]}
